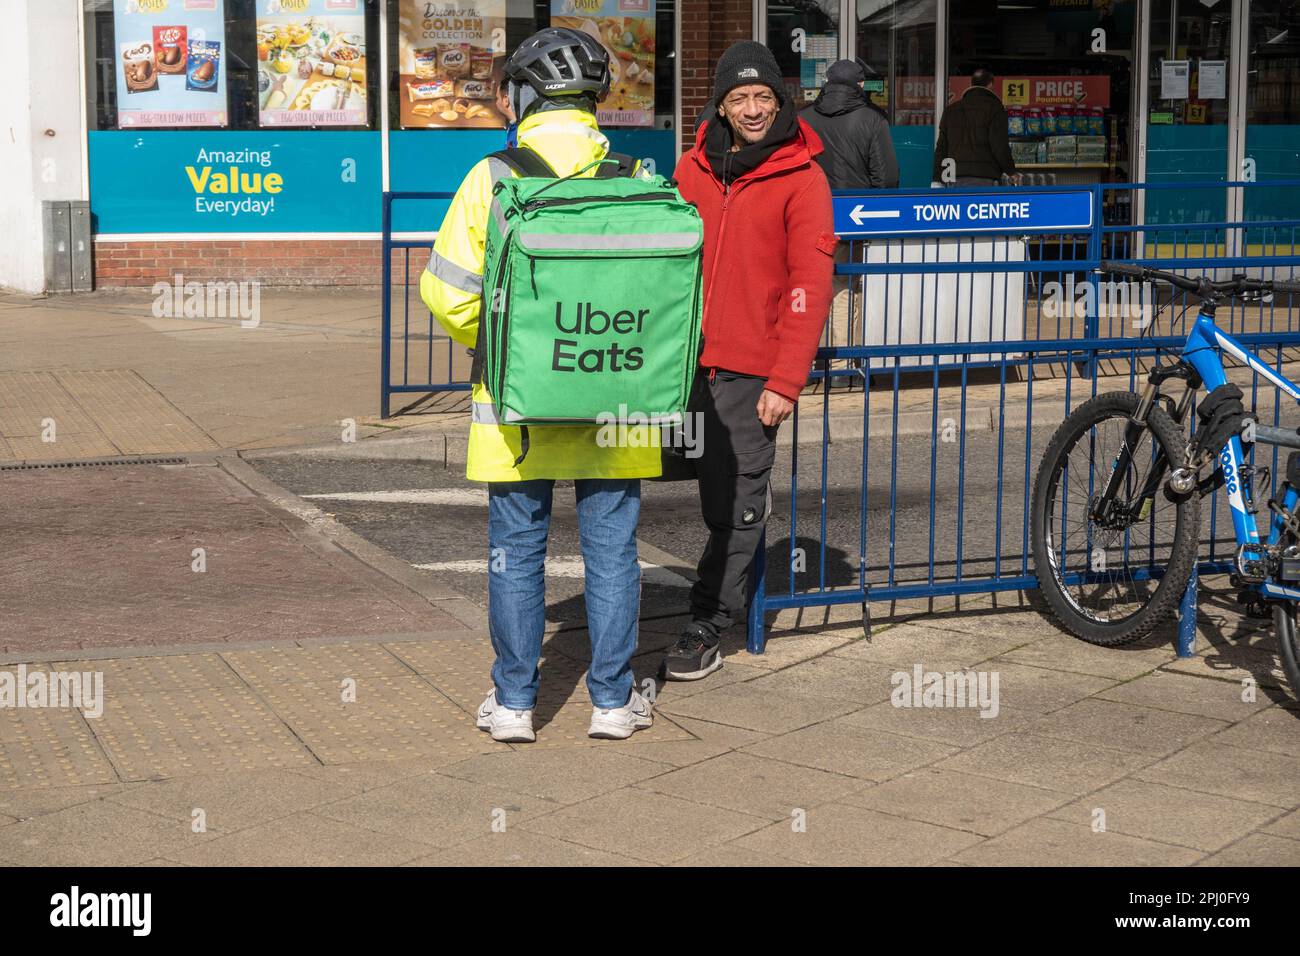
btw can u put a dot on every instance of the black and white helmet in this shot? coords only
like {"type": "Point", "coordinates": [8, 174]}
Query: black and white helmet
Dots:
{"type": "Point", "coordinates": [559, 61]}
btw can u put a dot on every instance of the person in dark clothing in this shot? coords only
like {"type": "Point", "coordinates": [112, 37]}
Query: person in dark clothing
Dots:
{"type": "Point", "coordinates": [973, 134]}
{"type": "Point", "coordinates": [859, 152]}
{"type": "Point", "coordinates": [769, 239]}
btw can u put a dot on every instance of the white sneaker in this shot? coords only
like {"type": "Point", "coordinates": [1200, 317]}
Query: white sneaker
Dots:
{"type": "Point", "coordinates": [506, 725]}
{"type": "Point", "coordinates": [621, 722]}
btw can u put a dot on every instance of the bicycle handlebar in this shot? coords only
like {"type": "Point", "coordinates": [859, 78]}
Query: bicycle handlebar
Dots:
{"type": "Point", "coordinates": [1201, 285]}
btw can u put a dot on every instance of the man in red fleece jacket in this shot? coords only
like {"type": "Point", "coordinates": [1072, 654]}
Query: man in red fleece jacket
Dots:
{"type": "Point", "coordinates": [769, 242]}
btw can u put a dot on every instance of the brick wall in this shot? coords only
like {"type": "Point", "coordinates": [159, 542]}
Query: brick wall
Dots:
{"type": "Point", "coordinates": [273, 262]}
{"type": "Point", "coordinates": [708, 28]}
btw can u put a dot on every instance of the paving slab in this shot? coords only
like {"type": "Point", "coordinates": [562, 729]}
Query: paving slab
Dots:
{"type": "Point", "coordinates": [1053, 764]}
{"type": "Point", "coordinates": [1063, 652]}
{"type": "Point", "coordinates": [648, 826]}
{"type": "Point", "coordinates": [731, 855]}
{"type": "Point", "coordinates": [1049, 842]}
{"type": "Point", "coordinates": [37, 801]}
{"type": "Point", "coordinates": [1276, 729]}
{"type": "Point", "coordinates": [956, 726]}
{"type": "Point", "coordinates": [848, 747]}
{"type": "Point", "coordinates": [54, 762]}
{"type": "Point", "coordinates": [520, 847]}
{"type": "Point", "coordinates": [1141, 730]}
{"type": "Point", "coordinates": [935, 648]}
{"type": "Point", "coordinates": [1258, 849]}
{"type": "Point", "coordinates": [751, 784]}
{"type": "Point", "coordinates": [100, 833]}
{"type": "Point", "coordinates": [1025, 688]}
{"type": "Point", "coordinates": [327, 663]}
{"type": "Point", "coordinates": [753, 708]}
{"type": "Point", "coordinates": [1287, 825]}
{"type": "Point", "coordinates": [1185, 694]}
{"type": "Point", "coordinates": [706, 740]}
{"type": "Point", "coordinates": [958, 801]}
{"type": "Point", "coordinates": [1230, 771]}
{"type": "Point", "coordinates": [1168, 814]}
{"type": "Point", "coordinates": [562, 777]}
{"type": "Point", "coordinates": [304, 839]}
{"type": "Point", "coordinates": [841, 835]}
{"type": "Point", "coordinates": [231, 802]}
{"type": "Point", "coordinates": [437, 810]}
{"type": "Point", "coordinates": [858, 682]}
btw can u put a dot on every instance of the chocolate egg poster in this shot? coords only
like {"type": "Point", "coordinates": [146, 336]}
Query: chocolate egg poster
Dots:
{"type": "Point", "coordinates": [450, 58]}
{"type": "Point", "coordinates": [169, 66]}
{"type": "Point", "coordinates": [626, 29]}
{"type": "Point", "coordinates": [311, 63]}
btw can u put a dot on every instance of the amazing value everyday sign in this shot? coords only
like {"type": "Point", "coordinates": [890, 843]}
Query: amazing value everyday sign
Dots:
{"type": "Point", "coordinates": [318, 181]}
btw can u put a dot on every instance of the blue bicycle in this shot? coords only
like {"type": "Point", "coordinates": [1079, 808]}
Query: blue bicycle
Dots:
{"type": "Point", "coordinates": [1116, 507]}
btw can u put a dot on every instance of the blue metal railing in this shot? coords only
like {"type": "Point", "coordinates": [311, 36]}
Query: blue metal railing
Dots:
{"type": "Point", "coordinates": [917, 378]}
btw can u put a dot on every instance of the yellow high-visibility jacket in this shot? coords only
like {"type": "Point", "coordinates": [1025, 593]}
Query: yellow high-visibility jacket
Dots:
{"type": "Point", "coordinates": [452, 286]}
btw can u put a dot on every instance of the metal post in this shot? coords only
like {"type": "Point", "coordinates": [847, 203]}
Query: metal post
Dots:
{"type": "Point", "coordinates": [1187, 619]}
{"type": "Point", "coordinates": [756, 640]}
{"type": "Point", "coordinates": [386, 333]}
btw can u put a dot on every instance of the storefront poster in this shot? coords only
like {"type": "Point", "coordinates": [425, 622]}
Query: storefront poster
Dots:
{"type": "Point", "coordinates": [1212, 80]}
{"type": "Point", "coordinates": [220, 181]}
{"type": "Point", "coordinates": [311, 63]}
{"type": "Point", "coordinates": [1173, 79]}
{"type": "Point", "coordinates": [170, 65]}
{"type": "Point", "coordinates": [1039, 91]}
{"type": "Point", "coordinates": [626, 28]}
{"type": "Point", "coordinates": [450, 57]}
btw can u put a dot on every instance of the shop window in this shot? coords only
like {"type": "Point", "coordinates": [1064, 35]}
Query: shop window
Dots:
{"type": "Point", "coordinates": [1187, 118]}
{"type": "Point", "coordinates": [896, 40]}
{"type": "Point", "coordinates": [1064, 73]}
{"type": "Point", "coordinates": [1273, 111]}
{"type": "Point", "coordinates": [231, 64]}
{"type": "Point", "coordinates": [804, 36]}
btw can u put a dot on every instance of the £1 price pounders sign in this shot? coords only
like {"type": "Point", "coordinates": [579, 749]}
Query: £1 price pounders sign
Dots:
{"type": "Point", "coordinates": [950, 212]}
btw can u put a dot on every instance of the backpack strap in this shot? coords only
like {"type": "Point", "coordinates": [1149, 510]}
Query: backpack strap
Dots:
{"type": "Point", "coordinates": [524, 162]}
{"type": "Point", "coordinates": [627, 167]}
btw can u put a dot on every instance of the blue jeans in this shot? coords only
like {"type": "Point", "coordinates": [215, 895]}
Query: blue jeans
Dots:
{"type": "Point", "coordinates": [519, 518]}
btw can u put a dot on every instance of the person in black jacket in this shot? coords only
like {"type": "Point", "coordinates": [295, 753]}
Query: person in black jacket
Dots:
{"type": "Point", "coordinates": [859, 152]}
{"type": "Point", "coordinates": [973, 133]}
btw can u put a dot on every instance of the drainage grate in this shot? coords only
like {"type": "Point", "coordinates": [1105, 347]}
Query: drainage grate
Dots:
{"type": "Point", "coordinates": [95, 462]}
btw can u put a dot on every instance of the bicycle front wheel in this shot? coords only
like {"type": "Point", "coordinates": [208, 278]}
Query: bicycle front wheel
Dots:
{"type": "Point", "coordinates": [1112, 570]}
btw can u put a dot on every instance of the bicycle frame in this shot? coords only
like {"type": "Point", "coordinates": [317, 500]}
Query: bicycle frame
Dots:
{"type": "Point", "coordinates": [1203, 351]}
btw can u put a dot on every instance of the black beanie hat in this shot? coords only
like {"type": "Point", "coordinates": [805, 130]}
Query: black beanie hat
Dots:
{"type": "Point", "coordinates": [851, 72]}
{"type": "Point", "coordinates": [745, 62]}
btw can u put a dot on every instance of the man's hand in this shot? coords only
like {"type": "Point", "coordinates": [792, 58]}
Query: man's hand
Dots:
{"type": "Point", "coordinates": [773, 409]}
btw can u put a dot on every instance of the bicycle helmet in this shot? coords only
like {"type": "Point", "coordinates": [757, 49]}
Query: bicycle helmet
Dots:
{"type": "Point", "coordinates": [559, 61]}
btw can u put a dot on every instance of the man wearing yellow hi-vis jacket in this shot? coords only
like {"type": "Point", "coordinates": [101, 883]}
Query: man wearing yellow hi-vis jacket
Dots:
{"type": "Point", "coordinates": [554, 80]}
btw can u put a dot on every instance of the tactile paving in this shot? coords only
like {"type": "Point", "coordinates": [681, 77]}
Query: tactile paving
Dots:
{"type": "Point", "coordinates": [151, 675]}
{"type": "Point", "coordinates": [209, 730]}
{"type": "Point", "coordinates": [53, 762]}
{"type": "Point", "coordinates": [393, 716]}
{"type": "Point", "coordinates": [320, 664]}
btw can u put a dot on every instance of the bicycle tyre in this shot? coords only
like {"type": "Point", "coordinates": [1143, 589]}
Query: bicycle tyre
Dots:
{"type": "Point", "coordinates": [1166, 596]}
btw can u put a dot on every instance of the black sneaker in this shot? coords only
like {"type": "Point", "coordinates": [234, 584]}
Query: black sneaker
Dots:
{"type": "Point", "coordinates": [697, 654]}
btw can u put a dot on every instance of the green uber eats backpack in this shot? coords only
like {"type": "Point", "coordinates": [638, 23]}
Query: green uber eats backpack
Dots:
{"type": "Point", "coordinates": [591, 297]}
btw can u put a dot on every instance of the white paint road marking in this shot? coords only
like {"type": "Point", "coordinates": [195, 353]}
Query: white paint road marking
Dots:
{"type": "Point", "coordinates": [560, 567]}
{"type": "Point", "coordinates": [418, 496]}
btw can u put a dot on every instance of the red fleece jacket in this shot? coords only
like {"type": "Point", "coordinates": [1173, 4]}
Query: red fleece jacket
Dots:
{"type": "Point", "coordinates": [769, 244]}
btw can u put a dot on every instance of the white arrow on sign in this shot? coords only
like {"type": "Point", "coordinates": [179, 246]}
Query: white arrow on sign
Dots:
{"type": "Point", "coordinates": [858, 214]}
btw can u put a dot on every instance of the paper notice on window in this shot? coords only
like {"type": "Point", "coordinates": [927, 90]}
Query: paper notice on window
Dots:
{"type": "Point", "coordinates": [1212, 83]}
{"type": "Point", "coordinates": [1173, 79]}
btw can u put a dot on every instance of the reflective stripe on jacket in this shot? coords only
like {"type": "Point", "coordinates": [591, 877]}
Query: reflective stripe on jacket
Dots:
{"type": "Point", "coordinates": [452, 286]}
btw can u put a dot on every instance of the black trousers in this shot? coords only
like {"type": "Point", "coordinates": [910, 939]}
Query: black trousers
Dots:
{"type": "Point", "coordinates": [733, 470]}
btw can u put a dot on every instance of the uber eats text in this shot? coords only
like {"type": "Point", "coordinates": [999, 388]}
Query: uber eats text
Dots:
{"type": "Point", "coordinates": [600, 355]}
